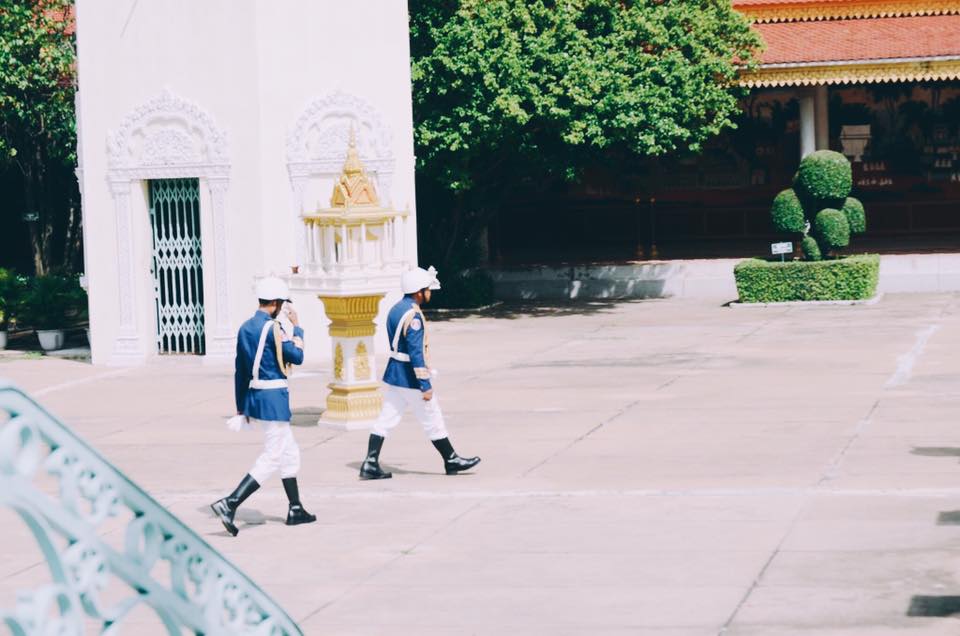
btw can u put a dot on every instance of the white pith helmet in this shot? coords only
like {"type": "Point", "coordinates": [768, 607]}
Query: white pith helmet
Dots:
{"type": "Point", "coordinates": [272, 288]}
{"type": "Point", "coordinates": [413, 280]}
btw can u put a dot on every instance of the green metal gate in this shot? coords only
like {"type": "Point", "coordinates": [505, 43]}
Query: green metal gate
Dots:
{"type": "Point", "coordinates": [177, 264]}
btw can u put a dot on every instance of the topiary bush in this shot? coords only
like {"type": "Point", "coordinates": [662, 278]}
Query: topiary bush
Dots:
{"type": "Point", "coordinates": [811, 251]}
{"type": "Point", "coordinates": [852, 278]}
{"type": "Point", "coordinates": [819, 201]}
{"type": "Point", "coordinates": [823, 177]}
{"type": "Point", "coordinates": [787, 213]}
{"type": "Point", "coordinates": [831, 229]}
{"type": "Point", "coordinates": [856, 215]}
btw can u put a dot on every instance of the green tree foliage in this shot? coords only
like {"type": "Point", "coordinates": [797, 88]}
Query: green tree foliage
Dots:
{"type": "Point", "coordinates": [12, 288]}
{"type": "Point", "coordinates": [787, 213]}
{"type": "Point", "coordinates": [512, 95]}
{"type": "Point", "coordinates": [37, 124]}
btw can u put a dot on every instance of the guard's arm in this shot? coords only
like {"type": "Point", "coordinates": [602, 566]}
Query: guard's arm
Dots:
{"type": "Point", "coordinates": [293, 349]}
{"type": "Point", "coordinates": [417, 359]}
{"type": "Point", "coordinates": [241, 379]}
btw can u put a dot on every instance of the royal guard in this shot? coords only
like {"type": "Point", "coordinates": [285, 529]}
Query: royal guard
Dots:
{"type": "Point", "coordinates": [408, 379]}
{"type": "Point", "coordinates": [264, 356]}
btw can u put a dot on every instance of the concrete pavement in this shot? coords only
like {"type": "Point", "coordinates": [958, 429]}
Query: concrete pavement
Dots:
{"type": "Point", "coordinates": [660, 467]}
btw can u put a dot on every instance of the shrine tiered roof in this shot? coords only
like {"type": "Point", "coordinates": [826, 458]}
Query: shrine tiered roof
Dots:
{"type": "Point", "coordinates": [854, 41]}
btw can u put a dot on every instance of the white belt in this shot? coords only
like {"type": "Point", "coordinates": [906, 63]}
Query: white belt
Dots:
{"type": "Point", "coordinates": [268, 384]}
{"type": "Point", "coordinates": [401, 357]}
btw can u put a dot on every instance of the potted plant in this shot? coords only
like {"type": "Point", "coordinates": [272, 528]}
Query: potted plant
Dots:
{"type": "Point", "coordinates": [50, 303]}
{"type": "Point", "coordinates": [11, 294]}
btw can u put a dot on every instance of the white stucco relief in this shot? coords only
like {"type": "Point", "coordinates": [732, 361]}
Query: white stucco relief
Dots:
{"type": "Point", "coordinates": [316, 148]}
{"type": "Point", "coordinates": [169, 137]}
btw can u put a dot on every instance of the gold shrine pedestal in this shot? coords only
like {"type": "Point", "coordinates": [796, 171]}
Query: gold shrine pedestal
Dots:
{"type": "Point", "coordinates": [355, 254]}
{"type": "Point", "coordinates": [354, 400]}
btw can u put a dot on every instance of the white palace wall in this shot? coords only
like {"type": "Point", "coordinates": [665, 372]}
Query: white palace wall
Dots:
{"type": "Point", "coordinates": [255, 99]}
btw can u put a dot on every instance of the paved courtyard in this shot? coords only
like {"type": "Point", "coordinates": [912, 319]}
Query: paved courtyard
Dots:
{"type": "Point", "coordinates": [665, 467]}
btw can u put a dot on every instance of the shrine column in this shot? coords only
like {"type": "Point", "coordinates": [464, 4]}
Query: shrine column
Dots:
{"type": "Point", "coordinates": [807, 125]}
{"type": "Point", "coordinates": [821, 107]}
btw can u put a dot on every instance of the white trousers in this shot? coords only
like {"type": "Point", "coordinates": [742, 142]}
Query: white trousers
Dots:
{"type": "Point", "coordinates": [280, 452]}
{"type": "Point", "coordinates": [397, 400]}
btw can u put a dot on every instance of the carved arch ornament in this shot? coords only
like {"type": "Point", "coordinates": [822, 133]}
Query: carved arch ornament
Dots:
{"type": "Point", "coordinates": [317, 145]}
{"type": "Point", "coordinates": [168, 137]}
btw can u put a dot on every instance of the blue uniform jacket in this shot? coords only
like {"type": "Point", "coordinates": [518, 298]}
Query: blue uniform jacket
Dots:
{"type": "Point", "coordinates": [263, 404]}
{"type": "Point", "coordinates": [413, 374]}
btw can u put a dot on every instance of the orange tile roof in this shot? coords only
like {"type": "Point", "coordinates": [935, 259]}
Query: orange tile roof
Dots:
{"type": "Point", "coordinates": [801, 10]}
{"type": "Point", "coordinates": [860, 40]}
{"type": "Point", "coordinates": [752, 3]}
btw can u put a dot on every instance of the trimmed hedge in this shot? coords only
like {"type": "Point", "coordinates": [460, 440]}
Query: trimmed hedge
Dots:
{"type": "Point", "coordinates": [856, 216]}
{"type": "Point", "coordinates": [787, 213]}
{"type": "Point", "coordinates": [824, 177]}
{"type": "Point", "coordinates": [832, 229]}
{"type": "Point", "coordinates": [811, 250]}
{"type": "Point", "coordinates": [851, 278]}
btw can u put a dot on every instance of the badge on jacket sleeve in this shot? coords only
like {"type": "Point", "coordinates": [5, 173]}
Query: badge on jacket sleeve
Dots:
{"type": "Point", "coordinates": [415, 324]}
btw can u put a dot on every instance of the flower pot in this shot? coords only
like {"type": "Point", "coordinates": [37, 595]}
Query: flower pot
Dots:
{"type": "Point", "coordinates": [3, 340]}
{"type": "Point", "coordinates": [51, 340]}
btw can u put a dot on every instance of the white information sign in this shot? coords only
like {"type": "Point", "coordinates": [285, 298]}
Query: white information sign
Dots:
{"type": "Point", "coordinates": [781, 248]}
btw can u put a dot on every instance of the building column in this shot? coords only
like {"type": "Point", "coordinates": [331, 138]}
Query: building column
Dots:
{"type": "Point", "coordinates": [221, 343]}
{"type": "Point", "coordinates": [807, 125]}
{"type": "Point", "coordinates": [821, 105]}
{"type": "Point", "coordinates": [128, 349]}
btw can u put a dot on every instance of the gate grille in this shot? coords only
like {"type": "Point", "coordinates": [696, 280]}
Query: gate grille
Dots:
{"type": "Point", "coordinates": [177, 265]}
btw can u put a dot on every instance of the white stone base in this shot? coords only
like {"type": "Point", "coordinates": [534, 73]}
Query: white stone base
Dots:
{"type": "Point", "coordinates": [347, 425]}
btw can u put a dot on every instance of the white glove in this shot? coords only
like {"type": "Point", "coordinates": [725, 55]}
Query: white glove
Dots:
{"type": "Point", "coordinates": [239, 423]}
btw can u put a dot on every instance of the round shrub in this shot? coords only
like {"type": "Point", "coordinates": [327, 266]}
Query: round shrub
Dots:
{"type": "Point", "coordinates": [823, 176]}
{"type": "Point", "coordinates": [856, 216]}
{"type": "Point", "coordinates": [832, 228]}
{"type": "Point", "coordinates": [787, 213]}
{"type": "Point", "coordinates": [811, 251]}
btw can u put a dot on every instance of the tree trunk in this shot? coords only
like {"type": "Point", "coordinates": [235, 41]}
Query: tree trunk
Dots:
{"type": "Point", "coordinates": [33, 217]}
{"type": "Point", "coordinates": [454, 232]}
{"type": "Point", "coordinates": [73, 237]}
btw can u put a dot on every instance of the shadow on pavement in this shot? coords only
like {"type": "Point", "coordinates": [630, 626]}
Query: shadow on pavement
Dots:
{"type": "Point", "coordinates": [398, 471]}
{"type": "Point", "coordinates": [514, 310]}
{"type": "Point", "coordinates": [306, 416]}
{"type": "Point", "coordinates": [949, 518]}
{"type": "Point", "coordinates": [934, 606]}
{"type": "Point", "coordinates": [936, 451]}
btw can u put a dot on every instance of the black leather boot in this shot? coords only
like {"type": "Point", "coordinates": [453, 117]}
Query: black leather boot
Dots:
{"type": "Point", "coordinates": [371, 464]}
{"type": "Point", "coordinates": [452, 462]}
{"type": "Point", "coordinates": [227, 507]}
{"type": "Point", "coordinates": [295, 514]}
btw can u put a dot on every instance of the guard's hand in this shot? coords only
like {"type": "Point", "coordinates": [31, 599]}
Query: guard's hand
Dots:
{"type": "Point", "coordinates": [292, 315]}
{"type": "Point", "coordinates": [428, 395]}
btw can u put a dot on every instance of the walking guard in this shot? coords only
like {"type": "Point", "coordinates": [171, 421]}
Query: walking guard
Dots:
{"type": "Point", "coordinates": [264, 356]}
{"type": "Point", "coordinates": [408, 376]}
